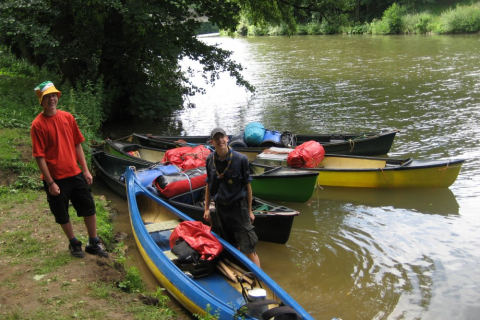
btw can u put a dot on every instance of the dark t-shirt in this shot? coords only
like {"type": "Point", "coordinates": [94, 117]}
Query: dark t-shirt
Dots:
{"type": "Point", "coordinates": [232, 186]}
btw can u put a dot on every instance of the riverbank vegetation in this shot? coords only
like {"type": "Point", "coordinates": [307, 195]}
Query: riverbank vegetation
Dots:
{"type": "Point", "coordinates": [126, 54]}
{"type": "Point", "coordinates": [396, 19]}
{"type": "Point", "coordinates": [39, 278]}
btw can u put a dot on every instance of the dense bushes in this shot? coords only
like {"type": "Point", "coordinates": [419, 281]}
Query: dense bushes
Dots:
{"type": "Point", "coordinates": [419, 23]}
{"type": "Point", "coordinates": [395, 20]}
{"type": "Point", "coordinates": [20, 105]}
{"type": "Point", "coordinates": [311, 28]}
{"type": "Point", "coordinates": [462, 19]}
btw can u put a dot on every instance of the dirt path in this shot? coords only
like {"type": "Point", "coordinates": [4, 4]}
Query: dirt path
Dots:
{"type": "Point", "coordinates": [39, 279]}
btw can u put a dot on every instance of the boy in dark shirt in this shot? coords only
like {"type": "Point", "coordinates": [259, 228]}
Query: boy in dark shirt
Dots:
{"type": "Point", "coordinates": [228, 184]}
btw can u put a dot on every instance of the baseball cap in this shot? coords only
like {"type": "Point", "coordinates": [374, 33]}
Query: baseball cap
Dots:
{"type": "Point", "coordinates": [217, 130]}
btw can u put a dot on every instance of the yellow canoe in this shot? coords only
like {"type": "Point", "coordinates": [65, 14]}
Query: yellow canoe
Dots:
{"type": "Point", "coordinates": [374, 172]}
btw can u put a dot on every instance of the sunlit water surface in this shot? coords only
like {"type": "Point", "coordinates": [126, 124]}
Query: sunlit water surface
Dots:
{"type": "Point", "coordinates": [355, 253]}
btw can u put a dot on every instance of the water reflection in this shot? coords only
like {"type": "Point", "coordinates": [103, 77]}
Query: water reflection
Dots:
{"type": "Point", "coordinates": [434, 201]}
{"type": "Point", "coordinates": [356, 261]}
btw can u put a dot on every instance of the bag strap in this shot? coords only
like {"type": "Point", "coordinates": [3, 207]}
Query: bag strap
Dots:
{"type": "Point", "coordinates": [190, 184]}
{"type": "Point", "coordinates": [260, 303]}
{"type": "Point", "coordinates": [281, 310]}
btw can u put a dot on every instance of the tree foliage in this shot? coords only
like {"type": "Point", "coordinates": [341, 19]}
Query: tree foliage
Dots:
{"type": "Point", "coordinates": [135, 46]}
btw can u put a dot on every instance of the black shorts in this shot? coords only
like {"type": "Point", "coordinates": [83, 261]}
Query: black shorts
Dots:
{"type": "Point", "coordinates": [236, 227]}
{"type": "Point", "coordinates": [75, 190]}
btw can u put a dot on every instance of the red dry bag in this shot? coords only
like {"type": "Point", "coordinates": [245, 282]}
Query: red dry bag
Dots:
{"type": "Point", "coordinates": [169, 185]}
{"type": "Point", "coordinates": [307, 155]}
{"type": "Point", "coordinates": [187, 157]}
{"type": "Point", "coordinates": [199, 237]}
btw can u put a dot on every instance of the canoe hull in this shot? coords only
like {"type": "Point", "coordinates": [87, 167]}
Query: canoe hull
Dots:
{"type": "Point", "coordinates": [283, 184]}
{"type": "Point", "coordinates": [374, 172]}
{"type": "Point", "coordinates": [364, 144]}
{"type": "Point", "coordinates": [440, 175]}
{"type": "Point", "coordinates": [274, 189]}
{"type": "Point", "coordinates": [213, 291]}
{"type": "Point", "coordinates": [110, 168]}
{"type": "Point", "coordinates": [152, 264]}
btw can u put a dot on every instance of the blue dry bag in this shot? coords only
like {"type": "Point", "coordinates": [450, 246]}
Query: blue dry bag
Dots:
{"type": "Point", "coordinates": [254, 133]}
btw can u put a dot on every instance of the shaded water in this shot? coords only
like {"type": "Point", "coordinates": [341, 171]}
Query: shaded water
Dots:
{"type": "Point", "coordinates": [355, 253]}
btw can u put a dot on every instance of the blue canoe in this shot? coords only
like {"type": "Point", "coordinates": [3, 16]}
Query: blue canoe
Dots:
{"type": "Point", "coordinates": [152, 222]}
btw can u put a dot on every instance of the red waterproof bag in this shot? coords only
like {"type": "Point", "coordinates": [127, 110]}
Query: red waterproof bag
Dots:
{"type": "Point", "coordinates": [307, 155]}
{"type": "Point", "coordinates": [169, 185]}
{"type": "Point", "coordinates": [187, 157]}
{"type": "Point", "coordinates": [199, 237]}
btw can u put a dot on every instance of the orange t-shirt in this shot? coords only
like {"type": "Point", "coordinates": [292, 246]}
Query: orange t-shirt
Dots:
{"type": "Point", "coordinates": [55, 138]}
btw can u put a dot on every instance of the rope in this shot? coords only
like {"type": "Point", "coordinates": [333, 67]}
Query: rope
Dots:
{"type": "Point", "coordinates": [129, 138]}
{"type": "Point", "coordinates": [194, 155]}
{"type": "Point", "coordinates": [352, 144]}
{"type": "Point", "coordinates": [190, 184]}
{"type": "Point", "coordinates": [199, 155]}
{"type": "Point", "coordinates": [388, 183]}
{"type": "Point", "coordinates": [445, 170]}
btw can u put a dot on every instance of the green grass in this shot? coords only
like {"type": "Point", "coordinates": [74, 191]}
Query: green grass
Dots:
{"type": "Point", "coordinates": [56, 261]}
{"type": "Point", "coordinates": [9, 147]}
{"type": "Point", "coordinates": [21, 243]}
{"type": "Point", "coordinates": [101, 290]}
{"type": "Point", "coordinates": [10, 197]}
{"type": "Point", "coordinates": [133, 281]}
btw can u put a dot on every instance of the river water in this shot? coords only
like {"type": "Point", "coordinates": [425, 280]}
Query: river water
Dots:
{"type": "Point", "coordinates": [355, 253]}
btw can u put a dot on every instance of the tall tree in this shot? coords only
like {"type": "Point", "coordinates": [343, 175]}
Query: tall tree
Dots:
{"type": "Point", "coordinates": [136, 45]}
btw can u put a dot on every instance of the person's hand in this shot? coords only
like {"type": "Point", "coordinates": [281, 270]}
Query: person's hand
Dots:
{"type": "Point", "coordinates": [206, 215]}
{"type": "Point", "coordinates": [54, 189]}
{"type": "Point", "coordinates": [88, 177]}
{"type": "Point", "coordinates": [252, 216]}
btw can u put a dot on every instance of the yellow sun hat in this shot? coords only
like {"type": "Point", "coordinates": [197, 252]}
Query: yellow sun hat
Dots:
{"type": "Point", "coordinates": [44, 88]}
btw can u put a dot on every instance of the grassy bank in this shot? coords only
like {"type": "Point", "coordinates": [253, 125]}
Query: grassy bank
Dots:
{"type": "Point", "coordinates": [39, 279]}
{"type": "Point", "coordinates": [396, 19]}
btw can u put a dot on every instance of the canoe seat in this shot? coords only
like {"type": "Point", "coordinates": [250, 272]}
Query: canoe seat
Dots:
{"type": "Point", "coordinates": [162, 226]}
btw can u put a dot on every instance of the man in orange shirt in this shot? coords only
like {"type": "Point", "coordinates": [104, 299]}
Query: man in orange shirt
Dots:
{"type": "Point", "coordinates": [57, 149]}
